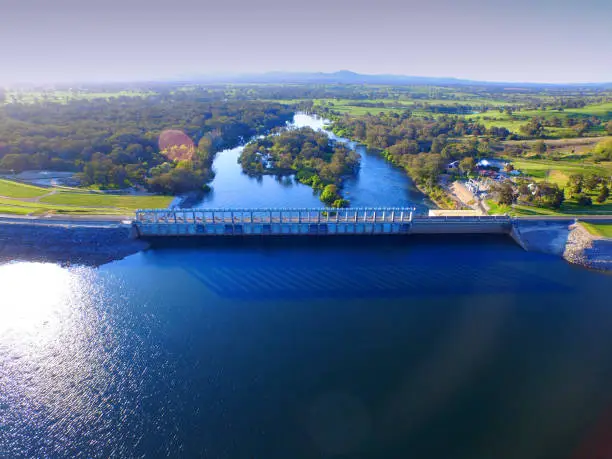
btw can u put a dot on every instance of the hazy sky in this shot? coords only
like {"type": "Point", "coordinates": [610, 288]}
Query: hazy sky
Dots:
{"type": "Point", "coordinates": [502, 40]}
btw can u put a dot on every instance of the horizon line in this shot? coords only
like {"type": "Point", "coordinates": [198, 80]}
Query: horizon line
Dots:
{"type": "Point", "coordinates": [218, 77]}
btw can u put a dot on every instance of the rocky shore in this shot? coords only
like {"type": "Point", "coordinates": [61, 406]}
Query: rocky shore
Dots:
{"type": "Point", "coordinates": [67, 243]}
{"type": "Point", "coordinates": [567, 239]}
{"type": "Point", "coordinates": [587, 250]}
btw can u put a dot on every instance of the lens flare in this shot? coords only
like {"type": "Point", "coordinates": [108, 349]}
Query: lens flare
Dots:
{"type": "Point", "coordinates": [176, 145]}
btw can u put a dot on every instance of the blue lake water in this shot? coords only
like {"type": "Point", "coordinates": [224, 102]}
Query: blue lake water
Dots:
{"type": "Point", "coordinates": [437, 348]}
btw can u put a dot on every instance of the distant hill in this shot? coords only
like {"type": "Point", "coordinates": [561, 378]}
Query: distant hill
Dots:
{"type": "Point", "coordinates": [349, 77]}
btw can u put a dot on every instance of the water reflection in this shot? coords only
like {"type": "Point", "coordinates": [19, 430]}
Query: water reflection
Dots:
{"type": "Point", "coordinates": [373, 352]}
{"type": "Point", "coordinates": [35, 299]}
{"type": "Point", "coordinates": [57, 371]}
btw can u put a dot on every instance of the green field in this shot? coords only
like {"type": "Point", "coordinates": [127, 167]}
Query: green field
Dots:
{"type": "Point", "coordinates": [121, 202]}
{"type": "Point", "coordinates": [14, 206]}
{"type": "Point", "coordinates": [20, 199]}
{"type": "Point", "coordinates": [558, 171]}
{"type": "Point", "coordinates": [11, 189]}
{"type": "Point", "coordinates": [599, 229]}
{"type": "Point", "coordinates": [519, 118]}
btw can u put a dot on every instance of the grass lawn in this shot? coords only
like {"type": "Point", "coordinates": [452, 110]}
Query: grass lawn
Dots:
{"type": "Point", "coordinates": [567, 208]}
{"type": "Point", "coordinates": [529, 210]}
{"type": "Point", "coordinates": [16, 207]}
{"type": "Point", "coordinates": [16, 199]}
{"type": "Point", "coordinates": [517, 210]}
{"type": "Point", "coordinates": [599, 229]}
{"type": "Point", "coordinates": [497, 209]}
{"type": "Point", "coordinates": [11, 189]}
{"type": "Point", "coordinates": [121, 202]}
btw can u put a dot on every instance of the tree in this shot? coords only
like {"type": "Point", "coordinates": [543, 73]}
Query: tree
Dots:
{"type": "Point", "coordinates": [604, 194]}
{"type": "Point", "coordinates": [591, 181]}
{"type": "Point", "coordinates": [15, 162]}
{"type": "Point", "coordinates": [583, 200]}
{"type": "Point", "coordinates": [575, 184]}
{"type": "Point", "coordinates": [330, 194]}
{"type": "Point", "coordinates": [505, 193]}
{"type": "Point", "coordinates": [540, 147]}
{"type": "Point", "coordinates": [524, 191]}
{"type": "Point", "coordinates": [549, 195]}
{"type": "Point", "coordinates": [609, 127]}
{"type": "Point", "coordinates": [340, 203]}
{"type": "Point", "coordinates": [467, 165]}
{"type": "Point", "coordinates": [603, 150]}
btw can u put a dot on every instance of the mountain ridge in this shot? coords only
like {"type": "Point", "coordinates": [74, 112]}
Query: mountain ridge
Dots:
{"type": "Point", "coordinates": [350, 77]}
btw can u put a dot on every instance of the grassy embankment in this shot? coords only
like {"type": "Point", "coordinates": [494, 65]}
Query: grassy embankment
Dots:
{"type": "Point", "coordinates": [21, 199]}
{"type": "Point", "coordinates": [599, 229]}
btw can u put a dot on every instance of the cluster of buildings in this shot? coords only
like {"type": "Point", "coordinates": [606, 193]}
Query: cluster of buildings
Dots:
{"type": "Point", "coordinates": [488, 171]}
{"type": "Point", "coordinates": [494, 169]}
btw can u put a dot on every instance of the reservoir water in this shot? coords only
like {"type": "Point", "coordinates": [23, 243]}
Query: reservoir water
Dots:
{"type": "Point", "coordinates": [446, 347]}
{"type": "Point", "coordinates": [432, 348]}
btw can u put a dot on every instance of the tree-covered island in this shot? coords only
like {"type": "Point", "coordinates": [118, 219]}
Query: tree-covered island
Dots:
{"type": "Point", "coordinates": [310, 155]}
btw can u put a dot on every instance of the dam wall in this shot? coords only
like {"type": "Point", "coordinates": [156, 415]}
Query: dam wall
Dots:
{"type": "Point", "coordinates": [309, 222]}
{"type": "Point", "coordinates": [91, 244]}
{"type": "Point", "coordinates": [99, 242]}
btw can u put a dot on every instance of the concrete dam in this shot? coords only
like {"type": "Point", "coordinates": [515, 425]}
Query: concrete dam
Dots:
{"type": "Point", "coordinates": [308, 222]}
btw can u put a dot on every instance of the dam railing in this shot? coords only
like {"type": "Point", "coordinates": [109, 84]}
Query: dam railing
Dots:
{"type": "Point", "coordinates": [314, 222]}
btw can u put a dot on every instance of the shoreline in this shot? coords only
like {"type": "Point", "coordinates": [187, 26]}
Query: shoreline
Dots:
{"type": "Point", "coordinates": [90, 243]}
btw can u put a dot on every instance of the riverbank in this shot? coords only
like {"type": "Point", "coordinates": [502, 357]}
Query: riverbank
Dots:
{"type": "Point", "coordinates": [91, 243]}
{"type": "Point", "coordinates": [438, 195]}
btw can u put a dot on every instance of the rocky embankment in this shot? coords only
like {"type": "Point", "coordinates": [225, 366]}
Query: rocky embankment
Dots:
{"type": "Point", "coordinates": [567, 239]}
{"type": "Point", "coordinates": [588, 250]}
{"type": "Point", "coordinates": [59, 242]}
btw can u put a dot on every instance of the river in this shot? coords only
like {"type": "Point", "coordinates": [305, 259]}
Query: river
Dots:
{"type": "Point", "coordinates": [378, 183]}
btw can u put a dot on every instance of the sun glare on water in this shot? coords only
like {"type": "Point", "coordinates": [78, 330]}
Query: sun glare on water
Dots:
{"type": "Point", "coordinates": [34, 298]}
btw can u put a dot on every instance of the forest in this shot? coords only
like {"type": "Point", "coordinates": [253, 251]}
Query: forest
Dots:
{"type": "Point", "coordinates": [116, 142]}
{"type": "Point", "coordinates": [310, 155]}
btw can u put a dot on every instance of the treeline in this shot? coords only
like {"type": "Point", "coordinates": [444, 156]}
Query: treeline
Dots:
{"type": "Point", "coordinates": [526, 192]}
{"type": "Point", "coordinates": [422, 146]}
{"type": "Point", "coordinates": [114, 143]}
{"type": "Point", "coordinates": [310, 155]}
{"type": "Point", "coordinates": [536, 125]}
